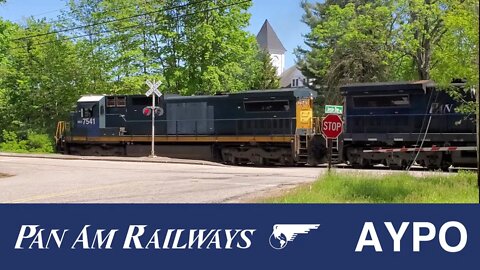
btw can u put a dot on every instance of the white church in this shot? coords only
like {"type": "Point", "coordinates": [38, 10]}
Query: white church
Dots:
{"type": "Point", "coordinates": [268, 40]}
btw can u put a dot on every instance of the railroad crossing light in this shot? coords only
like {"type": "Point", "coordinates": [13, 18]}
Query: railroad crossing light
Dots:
{"type": "Point", "coordinates": [147, 111]}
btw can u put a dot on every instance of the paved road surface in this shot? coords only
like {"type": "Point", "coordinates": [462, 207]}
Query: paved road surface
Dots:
{"type": "Point", "coordinates": [39, 180]}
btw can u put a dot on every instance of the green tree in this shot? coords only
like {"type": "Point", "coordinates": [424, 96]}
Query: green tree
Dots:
{"type": "Point", "coordinates": [348, 42]}
{"type": "Point", "coordinates": [41, 78]}
{"type": "Point", "coordinates": [362, 41]}
{"type": "Point", "coordinates": [197, 47]}
{"type": "Point", "coordinates": [421, 29]}
{"type": "Point", "coordinates": [219, 55]}
{"type": "Point", "coordinates": [266, 74]}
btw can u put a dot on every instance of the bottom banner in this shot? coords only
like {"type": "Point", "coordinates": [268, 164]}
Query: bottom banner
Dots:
{"type": "Point", "coordinates": [239, 236]}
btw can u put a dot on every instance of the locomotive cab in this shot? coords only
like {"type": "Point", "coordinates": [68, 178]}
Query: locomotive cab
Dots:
{"type": "Point", "coordinates": [89, 117]}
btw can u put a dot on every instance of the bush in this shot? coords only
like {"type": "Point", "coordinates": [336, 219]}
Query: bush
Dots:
{"type": "Point", "coordinates": [39, 143]}
{"type": "Point", "coordinates": [34, 143]}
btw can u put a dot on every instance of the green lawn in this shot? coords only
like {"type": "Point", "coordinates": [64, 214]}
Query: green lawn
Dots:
{"type": "Point", "coordinates": [391, 188]}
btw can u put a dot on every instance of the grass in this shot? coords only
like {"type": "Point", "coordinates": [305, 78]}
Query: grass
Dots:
{"type": "Point", "coordinates": [391, 188]}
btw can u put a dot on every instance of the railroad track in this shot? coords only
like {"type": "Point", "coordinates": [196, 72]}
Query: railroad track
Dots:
{"type": "Point", "coordinates": [200, 162]}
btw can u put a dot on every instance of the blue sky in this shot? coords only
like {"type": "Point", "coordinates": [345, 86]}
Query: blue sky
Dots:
{"type": "Point", "coordinates": [283, 15]}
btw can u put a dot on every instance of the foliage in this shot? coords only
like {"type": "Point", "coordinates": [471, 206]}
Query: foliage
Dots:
{"type": "Point", "coordinates": [34, 143]}
{"type": "Point", "coordinates": [348, 44]}
{"type": "Point", "coordinates": [199, 47]}
{"type": "Point", "coordinates": [41, 79]}
{"type": "Point", "coordinates": [389, 188]}
{"type": "Point", "coordinates": [266, 75]}
{"type": "Point", "coordinates": [192, 47]}
{"type": "Point", "coordinates": [367, 41]}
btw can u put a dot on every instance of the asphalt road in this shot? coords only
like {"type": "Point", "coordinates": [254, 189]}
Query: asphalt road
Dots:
{"type": "Point", "coordinates": [42, 180]}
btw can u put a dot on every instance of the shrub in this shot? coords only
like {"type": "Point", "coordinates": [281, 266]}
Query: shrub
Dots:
{"type": "Point", "coordinates": [11, 143]}
{"type": "Point", "coordinates": [39, 143]}
{"type": "Point", "coordinates": [35, 143]}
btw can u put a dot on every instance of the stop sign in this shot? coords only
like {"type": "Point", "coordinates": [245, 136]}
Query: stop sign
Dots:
{"type": "Point", "coordinates": [332, 126]}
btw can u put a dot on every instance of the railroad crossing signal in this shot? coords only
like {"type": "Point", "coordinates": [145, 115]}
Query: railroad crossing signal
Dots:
{"type": "Point", "coordinates": [153, 91]}
{"type": "Point", "coordinates": [153, 88]}
{"type": "Point", "coordinates": [332, 126]}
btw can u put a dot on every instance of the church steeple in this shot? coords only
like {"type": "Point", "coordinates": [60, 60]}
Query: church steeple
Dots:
{"type": "Point", "coordinates": [268, 40]}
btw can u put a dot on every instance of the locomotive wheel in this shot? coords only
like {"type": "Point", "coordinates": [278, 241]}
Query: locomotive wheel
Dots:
{"type": "Point", "coordinates": [402, 167]}
{"type": "Point", "coordinates": [312, 161]}
{"type": "Point", "coordinates": [365, 164]}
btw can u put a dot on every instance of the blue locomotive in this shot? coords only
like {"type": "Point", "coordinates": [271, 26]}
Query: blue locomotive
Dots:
{"type": "Point", "coordinates": [395, 124]}
{"type": "Point", "coordinates": [259, 127]}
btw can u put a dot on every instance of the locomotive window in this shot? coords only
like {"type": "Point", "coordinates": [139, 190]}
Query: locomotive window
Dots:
{"type": "Point", "coordinates": [267, 106]}
{"type": "Point", "coordinates": [110, 102]}
{"type": "Point", "coordinates": [142, 101]}
{"type": "Point", "coordinates": [86, 112]}
{"type": "Point", "coordinates": [121, 101]}
{"type": "Point", "coordinates": [381, 101]}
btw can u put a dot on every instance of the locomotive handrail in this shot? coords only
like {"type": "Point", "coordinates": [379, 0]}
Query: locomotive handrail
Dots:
{"type": "Point", "coordinates": [407, 114]}
{"type": "Point", "coordinates": [207, 126]}
{"type": "Point", "coordinates": [215, 119]}
{"type": "Point", "coordinates": [60, 131]}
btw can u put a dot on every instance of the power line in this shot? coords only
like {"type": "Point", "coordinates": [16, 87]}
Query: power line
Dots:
{"type": "Point", "coordinates": [110, 21]}
{"type": "Point", "coordinates": [36, 15]}
{"type": "Point", "coordinates": [132, 26]}
{"type": "Point", "coordinates": [124, 7]}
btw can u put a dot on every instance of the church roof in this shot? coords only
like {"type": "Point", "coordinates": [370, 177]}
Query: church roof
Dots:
{"type": "Point", "coordinates": [268, 39]}
{"type": "Point", "coordinates": [292, 72]}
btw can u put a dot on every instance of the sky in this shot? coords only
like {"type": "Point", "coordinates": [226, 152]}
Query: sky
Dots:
{"type": "Point", "coordinates": [284, 16]}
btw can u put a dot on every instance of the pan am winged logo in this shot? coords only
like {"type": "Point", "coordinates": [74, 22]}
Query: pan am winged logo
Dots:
{"type": "Point", "coordinates": [284, 233]}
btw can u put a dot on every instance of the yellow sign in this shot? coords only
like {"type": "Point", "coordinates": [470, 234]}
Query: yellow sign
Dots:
{"type": "Point", "coordinates": [304, 113]}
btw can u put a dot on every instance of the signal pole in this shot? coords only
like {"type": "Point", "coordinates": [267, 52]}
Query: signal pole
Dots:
{"type": "Point", "coordinates": [152, 152]}
{"type": "Point", "coordinates": [153, 91]}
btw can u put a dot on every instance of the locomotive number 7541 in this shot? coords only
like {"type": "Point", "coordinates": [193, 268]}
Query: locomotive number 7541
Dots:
{"type": "Point", "coordinates": [87, 121]}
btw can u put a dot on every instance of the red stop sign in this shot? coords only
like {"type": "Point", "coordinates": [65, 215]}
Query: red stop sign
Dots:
{"type": "Point", "coordinates": [332, 126]}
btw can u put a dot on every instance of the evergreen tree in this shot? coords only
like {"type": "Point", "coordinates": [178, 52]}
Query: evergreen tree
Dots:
{"type": "Point", "coordinates": [348, 42]}
{"type": "Point", "coordinates": [266, 77]}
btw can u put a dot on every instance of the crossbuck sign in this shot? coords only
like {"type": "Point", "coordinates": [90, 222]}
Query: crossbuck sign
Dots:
{"type": "Point", "coordinates": [153, 88]}
{"type": "Point", "coordinates": [153, 91]}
